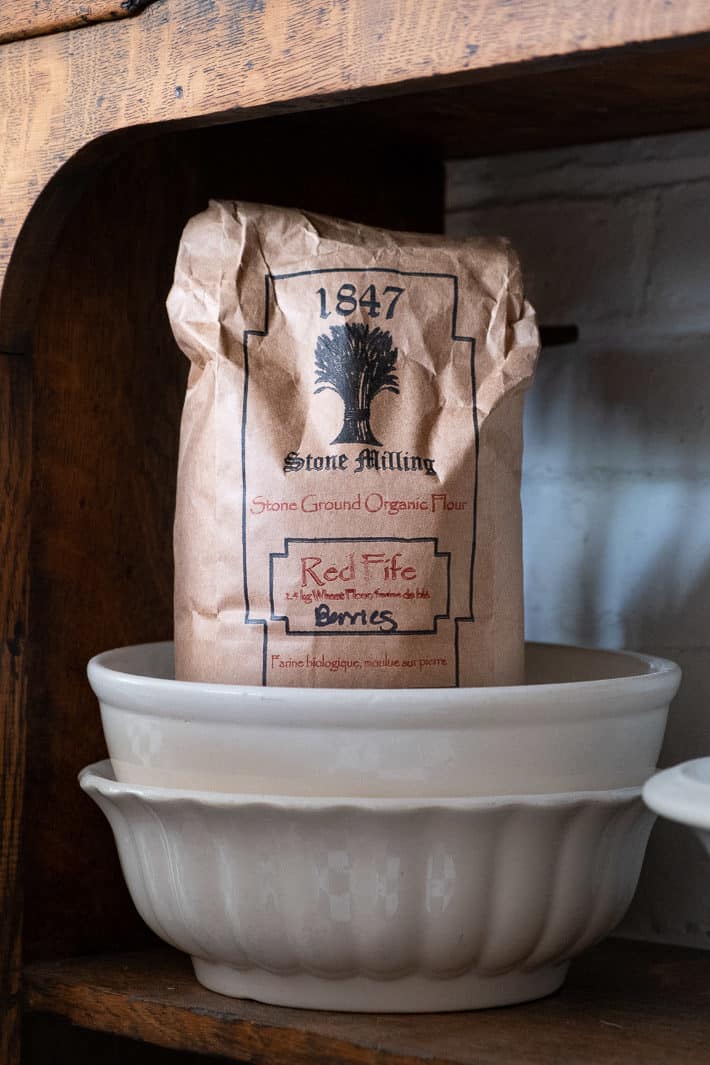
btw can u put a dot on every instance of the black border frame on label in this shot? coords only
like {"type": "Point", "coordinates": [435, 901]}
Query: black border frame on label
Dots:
{"type": "Point", "coordinates": [360, 540]}
{"type": "Point", "coordinates": [269, 281]}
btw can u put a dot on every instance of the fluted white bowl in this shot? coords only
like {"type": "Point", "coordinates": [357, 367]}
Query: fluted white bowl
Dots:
{"type": "Point", "coordinates": [377, 904]}
{"type": "Point", "coordinates": [585, 719]}
{"type": "Point", "coordinates": [682, 794]}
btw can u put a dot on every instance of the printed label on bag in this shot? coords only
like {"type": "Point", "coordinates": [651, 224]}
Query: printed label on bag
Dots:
{"type": "Point", "coordinates": [363, 463]}
{"type": "Point", "coordinates": [382, 586]}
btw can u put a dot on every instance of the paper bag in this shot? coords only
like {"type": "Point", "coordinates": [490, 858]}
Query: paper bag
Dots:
{"type": "Point", "coordinates": [348, 500]}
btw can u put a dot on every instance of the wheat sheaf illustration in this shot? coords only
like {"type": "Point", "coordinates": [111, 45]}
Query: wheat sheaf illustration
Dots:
{"type": "Point", "coordinates": [358, 363]}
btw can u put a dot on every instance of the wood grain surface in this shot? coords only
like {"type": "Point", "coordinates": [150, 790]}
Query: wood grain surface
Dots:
{"type": "Point", "coordinates": [624, 1004]}
{"type": "Point", "coordinates": [187, 60]}
{"type": "Point", "coordinates": [33, 18]}
{"type": "Point", "coordinates": [15, 397]}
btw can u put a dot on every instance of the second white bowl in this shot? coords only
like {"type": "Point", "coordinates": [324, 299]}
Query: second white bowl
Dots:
{"type": "Point", "coordinates": [377, 904]}
{"type": "Point", "coordinates": [585, 720]}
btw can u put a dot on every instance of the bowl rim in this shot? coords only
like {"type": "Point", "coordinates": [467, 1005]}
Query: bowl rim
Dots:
{"type": "Point", "coordinates": [99, 778]}
{"type": "Point", "coordinates": [380, 708]}
{"type": "Point", "coordinates": [679, 795]}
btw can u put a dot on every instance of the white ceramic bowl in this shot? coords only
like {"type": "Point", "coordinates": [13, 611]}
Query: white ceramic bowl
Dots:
{"type": "Point", "coordinates": [586, 719]}
{"type": "Point", "coordinates": [377, 904]}
{"type": "Point", "coordinates": [683, 794]}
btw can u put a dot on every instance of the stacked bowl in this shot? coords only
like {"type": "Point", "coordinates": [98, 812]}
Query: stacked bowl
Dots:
{"type": "Point", "coordinates": [388, 850]}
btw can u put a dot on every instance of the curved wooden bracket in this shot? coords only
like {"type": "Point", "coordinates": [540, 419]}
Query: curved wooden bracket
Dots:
{"type": "Point", "coordinates": [26, 18]}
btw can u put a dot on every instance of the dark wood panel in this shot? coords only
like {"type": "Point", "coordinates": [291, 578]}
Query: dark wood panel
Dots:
{"type": "Point", "coordinates": [109, 384]}
{"type": "Point", "coordinates": [33, 18]}
{"type": "Point", "coordinates": [15, 435]}
{"type": "Point", "coordinates": [108, 387]}
{"type": "Point", "coordinates": [624, 1004]}
{"type": "Point", "coordinates": [52, 1040]}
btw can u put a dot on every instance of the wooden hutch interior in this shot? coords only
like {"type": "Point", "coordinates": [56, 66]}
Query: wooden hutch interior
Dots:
{"type": "Point", "coordinates": [113, 135]}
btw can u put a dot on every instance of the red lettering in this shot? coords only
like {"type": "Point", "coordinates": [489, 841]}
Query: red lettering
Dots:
{"type": "Point", "coordinates": [309, 571]}
{"type": "Point", "coordinates": [371, 560]}
{"type": "Point", "coordinates": [347, 573]}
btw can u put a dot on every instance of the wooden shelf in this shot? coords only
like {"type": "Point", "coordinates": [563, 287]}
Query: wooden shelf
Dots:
{"type": "Point", "coordinates": [606, 96]}
{"type": "Point", "coordinates": [624, 1003]}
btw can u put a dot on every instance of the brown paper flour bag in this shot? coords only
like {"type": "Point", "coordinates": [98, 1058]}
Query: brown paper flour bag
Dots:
{"type": "Point", "coordinates": [348, 505]}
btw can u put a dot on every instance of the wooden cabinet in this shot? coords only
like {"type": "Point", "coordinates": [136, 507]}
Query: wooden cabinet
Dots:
{"type": "Point", "coordinates": [111, 136]}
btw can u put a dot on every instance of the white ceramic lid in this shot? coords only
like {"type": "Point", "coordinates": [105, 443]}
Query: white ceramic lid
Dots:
{"type": "Point", "coordinates": [682, 793]}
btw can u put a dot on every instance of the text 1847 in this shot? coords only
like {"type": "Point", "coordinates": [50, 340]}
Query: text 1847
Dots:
{"type": "Point", "coordinates": [347, 301]}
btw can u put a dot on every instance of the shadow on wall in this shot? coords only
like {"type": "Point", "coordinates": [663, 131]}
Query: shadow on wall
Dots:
{"type": "Point", "coordinates": [616, 488]}
{"type": "Point", "coordinates": [617, 548]}
{"type": "Point", "coordinates": [617, 467]}
{"type": "Point", "coordinates": [617, 512]}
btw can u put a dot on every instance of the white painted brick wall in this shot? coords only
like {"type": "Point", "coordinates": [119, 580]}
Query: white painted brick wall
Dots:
{"type": "Point", "coordinates": [616, 488]}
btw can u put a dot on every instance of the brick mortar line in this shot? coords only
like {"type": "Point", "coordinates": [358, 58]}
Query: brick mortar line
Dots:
{"type": "Point", "coordinates": [561, 197]}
